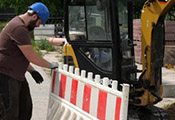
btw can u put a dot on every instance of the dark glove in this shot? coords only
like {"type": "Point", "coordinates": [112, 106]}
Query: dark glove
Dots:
{"type": "Point", "coordinates": [36, 76]}
{"type": "Point", "coordinates": [53, 65]}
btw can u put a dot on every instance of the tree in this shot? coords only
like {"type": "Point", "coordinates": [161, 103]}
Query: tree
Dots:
{"type": "Point", "coordinates": [20, 6]}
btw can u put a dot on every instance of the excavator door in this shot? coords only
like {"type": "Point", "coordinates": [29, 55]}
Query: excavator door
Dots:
{"type": "Point", "coordinates": [100, 40]}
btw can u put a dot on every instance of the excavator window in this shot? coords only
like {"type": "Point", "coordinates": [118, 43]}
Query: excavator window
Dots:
{"type": "Point", "coordinates": [77, 23]}
{"type": "Point", "coordinates": [123, 19]}
{"type": "Point", "coordinates": [89, 22]}
{"type": "Point", "coordinates": [102, 57]}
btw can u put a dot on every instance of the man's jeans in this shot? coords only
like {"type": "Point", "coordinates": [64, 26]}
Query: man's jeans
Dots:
{"type": "Point", "coordinates": [16, 98]}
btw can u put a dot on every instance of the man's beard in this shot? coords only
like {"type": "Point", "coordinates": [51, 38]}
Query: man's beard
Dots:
{"type": "Point", "coordinates": [31, 25]}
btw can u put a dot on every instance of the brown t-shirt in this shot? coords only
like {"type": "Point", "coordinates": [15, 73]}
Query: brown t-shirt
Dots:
{"type": "Point", "coordinates": [12, 61]}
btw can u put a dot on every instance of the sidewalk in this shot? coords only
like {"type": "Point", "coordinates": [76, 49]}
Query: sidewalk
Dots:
{"type": "Point", "coordinates": [168, 82]}
{"type": "Point", "coordinates": [40, 94]}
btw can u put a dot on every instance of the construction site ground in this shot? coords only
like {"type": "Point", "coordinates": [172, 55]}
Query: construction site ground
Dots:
{"type": "Point", "coordinates": [40, 92]}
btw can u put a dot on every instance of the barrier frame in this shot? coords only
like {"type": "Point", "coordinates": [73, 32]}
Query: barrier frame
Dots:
{"type": "Point", "coordinates": [95, 83]}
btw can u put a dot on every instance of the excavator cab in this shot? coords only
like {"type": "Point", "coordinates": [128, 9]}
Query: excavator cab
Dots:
{"type": "Point", "coordinates": [99, 33]}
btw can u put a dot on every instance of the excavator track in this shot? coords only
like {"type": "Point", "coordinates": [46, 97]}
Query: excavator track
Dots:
{"type": "Point", "coordinates": [148, 113]}
{"type": "Point", "coordinates": [153, 113]}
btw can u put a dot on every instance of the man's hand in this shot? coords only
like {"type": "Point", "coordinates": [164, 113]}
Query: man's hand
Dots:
{"type": "Point", "coordinates": [37, 76]}
{"type": "Point", "coordinates": [53, 65]}
{"type": "Point", "coordinates": [57, 41]}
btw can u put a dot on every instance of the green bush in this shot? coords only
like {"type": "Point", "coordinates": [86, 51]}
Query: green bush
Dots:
{"type": "Point", "coordinates": [36, 48]}
{"type": "Point", "coordinates": [2, 25]}
{"type": "Point", "coordinates": [42, 45]}
{"type": "Point", "coordinates": [45, 45]}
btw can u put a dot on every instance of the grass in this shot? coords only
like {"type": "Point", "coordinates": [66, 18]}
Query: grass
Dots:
{"type": "Point", "coordinates": [42, 44]}
{"type": "Point", "coordinates": [166, 106]}
{"type": "Point", "coordinates": [170, 109]}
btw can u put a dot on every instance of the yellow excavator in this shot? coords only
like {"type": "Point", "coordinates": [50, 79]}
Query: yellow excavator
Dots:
{"type": "Point", "coordinates": [100, 40]}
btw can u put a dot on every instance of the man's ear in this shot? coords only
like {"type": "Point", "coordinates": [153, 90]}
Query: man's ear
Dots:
{"type": "Point", "coordinates": [34, 17]}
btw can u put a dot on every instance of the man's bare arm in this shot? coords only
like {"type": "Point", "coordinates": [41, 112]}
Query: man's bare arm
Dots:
{"type": "Point", "coordinates": [32, 56]}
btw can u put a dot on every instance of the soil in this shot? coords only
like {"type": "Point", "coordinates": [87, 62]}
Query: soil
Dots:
{"type": "Point", "coordinates": [171, 111]}
{"type": "Point", "coordinates": [169, 58]}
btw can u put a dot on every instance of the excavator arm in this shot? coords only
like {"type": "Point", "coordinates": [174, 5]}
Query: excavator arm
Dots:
{"type": "Point", "coordinates": [152, 28]}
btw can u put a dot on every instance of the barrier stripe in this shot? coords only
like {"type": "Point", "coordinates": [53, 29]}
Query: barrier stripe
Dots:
{"type": "Point", "coordinates": [62, 86]}
{"type": "Point", "coordinates": [57, 83]}
{"type": "Point", "coordinates": [68, 89]}
{"type": "Point", "coordinates": [94, 101]}
{"type": "Point", "coordinates": [53, 81]}
{"type": "Point", "coordinates": [80, 94]}
{"type": "Point", "coordinates": [110, 107]}
{"type": "Point", "coordinates": [118, 106]}
{"type": "Point", "coordinates": [86, 98]}
{"type": "Point", "coordinates": [74, 91]}
{"type": "Point", "coordinates": [102, 99]}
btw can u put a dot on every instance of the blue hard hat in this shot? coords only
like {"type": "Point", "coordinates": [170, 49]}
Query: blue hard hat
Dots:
{"type": "Point", "coordinates": [41, 10]}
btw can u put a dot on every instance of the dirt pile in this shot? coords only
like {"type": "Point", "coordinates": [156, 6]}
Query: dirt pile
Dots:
{"type": "Point", "coordinates": [171, 111]}
{"type": "Point", "coordinates": [169, 57]}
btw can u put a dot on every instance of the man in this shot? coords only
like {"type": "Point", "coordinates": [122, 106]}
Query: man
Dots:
{"type": "Point", "coordinates": [16, 54]}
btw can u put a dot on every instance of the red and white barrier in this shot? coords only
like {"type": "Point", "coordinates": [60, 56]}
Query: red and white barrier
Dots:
{"type": "Point", "coordinates": [89, 98]}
